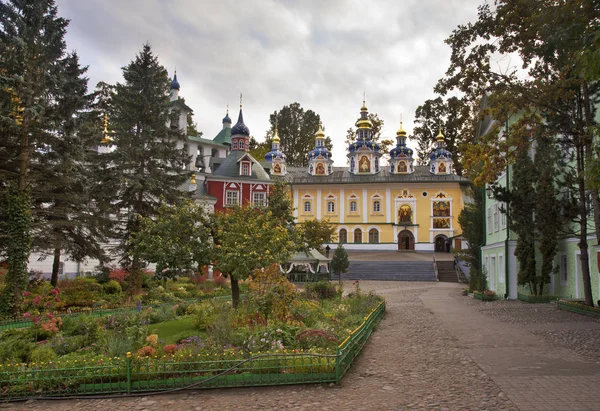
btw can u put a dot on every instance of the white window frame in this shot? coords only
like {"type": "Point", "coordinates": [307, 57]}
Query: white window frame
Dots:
{"type": "Point", "coordinates": [330, 206]}
{"type": "Point", "coordinates": [564, 269]}
{"type": "Point", "coordinates": [340, 236]}
{"type": "Point", "coordinates": [235, 144]}
{"type": "Point", "coordinates": [259, 198]}
{"type": "Point", "coordinates": [307, 206]}
{"type": "Point", "coordinates": [229, 196]}
{"type": "Point", "coordinates": [501, 269]}
{"type": "Point", "coordinates": [489, 220]}
{"type": "Point", "coordinates": [503, 216]}
{"type": "Point", "coordinates": [241, 146]}
{"type": "Point", "coordinates": [495, 214]}
{"type": "Point", "coordinates": [355, 204]}
{"type": "Point", "coordinates": [377, 206]}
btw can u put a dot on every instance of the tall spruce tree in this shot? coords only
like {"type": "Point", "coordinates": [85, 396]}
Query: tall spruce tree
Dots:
{"type": "Point", "coordinates": [32, 69]}
{"type": "Point", "coordinates": [146, 167]}
{"type": "Point", "coordinates": [548, 221]}
{"type": "Point", "coordinates": [522, 209]}
{"type": "Point", "coordinates": [66, 217]}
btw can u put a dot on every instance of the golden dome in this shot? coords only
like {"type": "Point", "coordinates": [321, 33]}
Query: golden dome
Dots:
{"type": "Point", "coordinates": [107, 139]}
{"type": "Point", "coordinates": [440, 136]}
{"type": "Point", "coordinates": [320, 133]}
{"type": "Point", "coordinates": [276, 137]}
{"type": "Point", "coordinates": [401, 132]}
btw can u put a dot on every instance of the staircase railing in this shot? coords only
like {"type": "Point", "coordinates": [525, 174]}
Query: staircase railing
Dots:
{"type": "Point", "coordinates": [435, 268]}
{"type": "Point", "coordinates": [460, 275]}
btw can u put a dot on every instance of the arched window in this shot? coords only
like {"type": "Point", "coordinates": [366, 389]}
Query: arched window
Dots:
{"type": "Point", "coordinates": [376, 206]}
{"type": "Point", "coordinates": [373, 236]}
{"type": "Point", "coordinates": [343, 236]}
{"type": "Point", "coordinates": [353, 206]}
{"type": "Point", "coordinates": [235, 144]}
{"type": "Point", "coordinates": [307, 206]}
{"type": "Point", "coordinates": [241, 143]}
{"type": "Point", "coordinates": [330, 207]}
{"type": "Point", "coordinates": [357, 236]}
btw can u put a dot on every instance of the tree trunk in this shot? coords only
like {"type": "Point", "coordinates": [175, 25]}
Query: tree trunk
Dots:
{"type": "Point", "coordinates": [235, 292]}
{"type": "Point", "coordinates": [55, 267]}
{"type": "Point", "coordinates": [583, 221]}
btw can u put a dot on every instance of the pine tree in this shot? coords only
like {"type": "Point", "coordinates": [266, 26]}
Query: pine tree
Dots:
{"type": "Point", "coordinates": [32, 49]}
{"type": "Point", "coordinates": [146, 167]}
{"type": "Point", "coordinates": [340, 263]}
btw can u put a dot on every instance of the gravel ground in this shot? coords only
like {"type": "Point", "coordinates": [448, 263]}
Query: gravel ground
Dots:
{"type": "Point", "coordinates": [410, 362]}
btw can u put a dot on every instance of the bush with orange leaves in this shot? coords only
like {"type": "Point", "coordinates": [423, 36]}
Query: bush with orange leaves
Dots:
{"type": "Point", "coordinates": [270, 293]}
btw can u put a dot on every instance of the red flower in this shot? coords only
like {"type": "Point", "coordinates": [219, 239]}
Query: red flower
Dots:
{"type": "Point", "coordinates": [27, 315]}
{"type": "Point", "coordinates": [26, 294]}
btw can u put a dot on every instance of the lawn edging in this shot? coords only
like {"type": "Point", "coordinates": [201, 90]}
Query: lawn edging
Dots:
{"type": "Point", "coordinates": [535, 299]}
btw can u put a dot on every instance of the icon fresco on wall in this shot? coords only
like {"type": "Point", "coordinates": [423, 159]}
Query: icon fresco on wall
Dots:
{"type": "Point", "coordinates": [277, 169]}
{"type": "Point", "coordinates": [405, 214]}
{"type": "Point", "coordinates": [320, 168]}
{"type": "Point", "coordinates": [402, 167]}
{"type": "Point", "coordinates": [364, 165]}
{"type": "Point", "coordinates": [441, 223]}
{"type": "Point", "coordinates": [442, 168]}
{"type": "Point", "coordinates": [441, 209]}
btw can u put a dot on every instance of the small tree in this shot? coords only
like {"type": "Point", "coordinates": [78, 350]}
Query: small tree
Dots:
{"type": "Point", "coordinates": [317, 232]}
{"type": "Point", "coordinates": [177, 240]}
{"type": "Point", "coordinates": [247, 238]}
{"type": "Point", "coordinates": [340, 263]}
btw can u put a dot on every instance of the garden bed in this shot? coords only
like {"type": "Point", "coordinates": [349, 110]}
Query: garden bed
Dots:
{"type": "Point", "coordinates": [579, 308]}
{"type": "Point", "coordinates": [484, 297]}
{"type": "Point", "coordinates": [228, 369]}
{"type": "Point", "coordinates": [535, 299]}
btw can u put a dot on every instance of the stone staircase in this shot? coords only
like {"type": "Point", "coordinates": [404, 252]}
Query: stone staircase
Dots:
{"type": "Point", "coordinates": [446, 272]}
{"type": "Point", "coordinates": [389, 271]}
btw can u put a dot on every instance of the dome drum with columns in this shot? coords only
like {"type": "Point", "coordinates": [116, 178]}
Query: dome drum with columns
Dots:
{"type": "Point", "coordinates": [276, 157]}
{"type": "Point", "coordinates": [401, 156]}
{"type": "Point", "coordinates": [364, 153]}
{"type": "Point", "coordinates": [319, 159]}
{"type": "Point", "coordinates": [440, 158]}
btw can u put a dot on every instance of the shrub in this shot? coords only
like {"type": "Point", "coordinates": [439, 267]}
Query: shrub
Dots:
{"type": "Point", "coordinates": [119, 275]}
{"type": "Point", "coordinates": [205, 315]}
{"type": "Point", "coordinates": [308, 312]}
{"type": "Point", "coordinates": [16, 345]}
{"type": "Point", "coordinates": [316, 338]}
{"type": "Point", "coordinates": [43, 353]}
{"type": "Point", "coordinates": [146, 351]}
{"type": "Point", "coordinates": [80, 292]}
{"type": "Point", "coordinates": [115, 344]}
{"type": "Point", "coordinates": [112, 287]}
{"type": "Point", "coordinates": [322, 290]}
{"type": "Point", "coordinates": [170, 349]}
{"type": "Point", "coordinates": [82, 325]}
{"type": "Point", "coordinates": [270, 293]}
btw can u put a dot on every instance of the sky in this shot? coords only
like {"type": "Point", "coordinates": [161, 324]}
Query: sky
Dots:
{"type": "Point", "coordinates": [323, 54]}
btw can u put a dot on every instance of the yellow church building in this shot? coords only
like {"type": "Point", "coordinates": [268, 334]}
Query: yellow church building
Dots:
{"type": "Point", "coordinates": [397, 206]}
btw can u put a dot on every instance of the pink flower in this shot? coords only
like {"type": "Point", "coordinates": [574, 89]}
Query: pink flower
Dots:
{"type": "Point", "coordinates": [37, 300]}
{"type": "Point", "coordinates": [99, 362]}
{"type": "Point", "coordinates": [57, 299]}
{"type": "Point", "coordinates": [50, 315]}
{"type": "Point", "coordinates": [54, 291]}
{"type": "Point", "coordinates": [36, 319]}
{"type": "Point", "coordinates": [27, 315]}
{"type": "Point", "coordinates": [26, 294]}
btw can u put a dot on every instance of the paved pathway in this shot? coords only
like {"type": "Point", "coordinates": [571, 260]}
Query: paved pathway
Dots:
{"type": "Point", "coordinates": [433, 350]}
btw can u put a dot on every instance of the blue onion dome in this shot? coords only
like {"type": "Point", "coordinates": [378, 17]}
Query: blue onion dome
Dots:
{"type": "Point", "coordinates": [240, 128]}
{"type": "Point", "coordinates": [401, 150]}
{"type": "Point", "coordinates": [358, 144]}
{"type": "Point", "coordinates": [320, 149]}
{"type": "Point", "coordinates": [175, 83]}
{"type": "Point", "coordinates": [226, 119]}
{"type": "Point", "coordinates": [440, 151]}
{"type": "Point", "coordinates": [275, 153]}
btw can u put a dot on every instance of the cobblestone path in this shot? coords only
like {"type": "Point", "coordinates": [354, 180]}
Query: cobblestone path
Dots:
{"type": "Point", "coordinates": [413, 361]}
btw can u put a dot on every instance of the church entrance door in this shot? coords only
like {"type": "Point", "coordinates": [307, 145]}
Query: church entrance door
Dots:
{"type": "Point", "coordinates": [406, 240]}
{"type": "Point", "coordinates": [440, 244]}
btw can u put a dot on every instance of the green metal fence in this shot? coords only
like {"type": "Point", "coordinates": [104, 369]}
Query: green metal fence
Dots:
{"type": "Point", "coordinates": [307, 277]}
{"type": "Point", "coordinates": [578, 308]}
{"type": "Point", "coordinates": [135, 374]}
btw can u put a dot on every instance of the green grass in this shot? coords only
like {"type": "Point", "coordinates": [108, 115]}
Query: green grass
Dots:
{"type": "Point", "coordinates": [171, 332]}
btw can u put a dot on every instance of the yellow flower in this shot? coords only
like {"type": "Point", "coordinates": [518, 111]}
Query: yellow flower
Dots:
{"type": "Point", "coordinates": [152, 339]}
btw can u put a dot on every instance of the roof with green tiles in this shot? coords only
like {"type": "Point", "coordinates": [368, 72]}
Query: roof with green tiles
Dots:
{"type": "Point", "coordinates": [224, 136]}
{"type": "Point", "coordinates": [231, 168]}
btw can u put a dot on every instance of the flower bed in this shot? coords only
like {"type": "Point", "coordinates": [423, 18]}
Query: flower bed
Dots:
{"type": "Point", "coordinates": [227, 369]}
{"type": "Point", "coordinates": [275, 331]}
{"type": "Point", "coordinates": [537, 298]}
{"type": "Point", "coordinates": [579, 308]}
{"type": "Point", "coordinates": [485, 296]}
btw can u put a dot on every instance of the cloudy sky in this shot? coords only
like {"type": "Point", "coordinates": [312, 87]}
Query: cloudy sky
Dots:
{"type": "Point", "coordinates": [323, 54]}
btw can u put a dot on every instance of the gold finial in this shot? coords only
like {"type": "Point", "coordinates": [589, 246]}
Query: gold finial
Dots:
{"type": "Point", "coordinates": [440, 136]}
{"type": "Point", "coordinates": [401, 132]}
{"type": "Point", "coordinates": [364, 106]}
{"type": "Point", "coordinates": [240, 100]}
{"type": "Point", "coordinates": [276, 135]}
{"type": "Point", "coordinates": [320, 132]}
{"type": "Point", "coordinates": [193, 179]}
{"type": "Point", "coordinates": [227, 109]}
